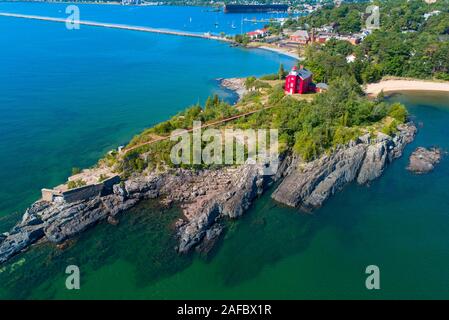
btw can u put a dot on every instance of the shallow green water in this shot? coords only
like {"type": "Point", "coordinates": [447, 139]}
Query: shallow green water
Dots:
{"type": "Point", "coordinates": [399, 223]}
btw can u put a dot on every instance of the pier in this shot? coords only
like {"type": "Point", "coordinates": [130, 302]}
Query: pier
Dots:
{"type": "Point", "coordinates": [117, 26]}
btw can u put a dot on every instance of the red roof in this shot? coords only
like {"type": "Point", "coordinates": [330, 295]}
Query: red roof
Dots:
{"type": "Point", "coordinates": [257, 32]}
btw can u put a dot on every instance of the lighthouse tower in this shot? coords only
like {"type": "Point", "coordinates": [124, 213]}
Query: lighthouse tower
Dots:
{"type": "Point", "coordinates": [291, 81]}
{"type": "Point", "coordinates": [298, 81]}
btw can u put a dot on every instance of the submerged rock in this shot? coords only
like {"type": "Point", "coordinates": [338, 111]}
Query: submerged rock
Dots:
{"type": "Point", "coordinates": [210, 239]}
{"type": "Point", "coordinates": [423, 160]}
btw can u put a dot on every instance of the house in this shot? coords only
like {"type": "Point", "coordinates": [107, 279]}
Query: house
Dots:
{"type": "Point", "coordinates": [257, 34]}
{"type": "Point", "coordinates": [352, 39]}
{"type": "Point", "coordinates": [298, 81]}
{"type": "Point", "coordinates": [321, 37]}
{"type": "Point", "coordinates": [300, 36]}
{"type": "Point", "coordinates": [321, 87]}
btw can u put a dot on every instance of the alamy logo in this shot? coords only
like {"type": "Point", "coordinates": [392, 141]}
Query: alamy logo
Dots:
{"type": "Point", "coordinates": [73, 20]}
{"type": "Point", "coordinates": [227, 146]}
{"type": "Point", "coordinates": [72, 282]}
{"type": "Point", "coordinates": [373, 280]}
{"type": "Point", "coordinates": [373, 20]}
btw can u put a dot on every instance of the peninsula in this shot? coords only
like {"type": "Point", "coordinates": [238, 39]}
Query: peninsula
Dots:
{"type": "Point", "coordinates": [314, 163]}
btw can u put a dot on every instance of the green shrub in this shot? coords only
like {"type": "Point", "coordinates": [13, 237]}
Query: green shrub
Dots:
{"type": "Point", "coordinates": [102, 177]}
{"type": "Point", "coordinates": [76, 184]}
{"type": "Point", "coordinates": [398, 112]}
{"type": "Point", "coordinates": [391, 128]}
{"type": "Point", "coordinates": [273, 76]}
{"type": "Point", "coordinates": [75, 170]}
{"type": "Point", "coordinates": [343, 135]}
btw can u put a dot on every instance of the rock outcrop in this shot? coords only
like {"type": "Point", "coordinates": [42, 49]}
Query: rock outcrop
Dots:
{"type": "Point", "coordinates": [423, 160]}
{"type": "Point", "coordinates": [59, 221]}
{"type": "Point", "coordinates": [308, 185]}
{"type": "Point", "coordinates": [208, 196]}
{"type": "Point", "coordinates": [234, 84]}
{"type": "Point", "coordinates": [205, 197]}
{"type": "Point", "coordinates": [230, 200]}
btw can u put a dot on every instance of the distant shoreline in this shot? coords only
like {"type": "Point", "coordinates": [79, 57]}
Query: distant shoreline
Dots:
{"type": "Point", "coordinates": [390, 86]}
{"type": "Point", "coordinates": [68, 2]}
{"type": "Point", "coordinates": [147, 4]}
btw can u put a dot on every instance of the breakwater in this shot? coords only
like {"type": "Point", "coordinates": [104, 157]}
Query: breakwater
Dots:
{"type": "Point", "coordinates": [117, 26]}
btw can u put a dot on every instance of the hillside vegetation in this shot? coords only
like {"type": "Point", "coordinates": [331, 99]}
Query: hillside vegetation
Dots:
{"type": "Point", "coordinates": [407, 44]}
{"type": "Point", "coordinates": [308, 128]}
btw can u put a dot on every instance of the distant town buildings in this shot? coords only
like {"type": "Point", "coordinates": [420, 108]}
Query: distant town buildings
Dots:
{"type": "Point", "coordinates": [257, 34]}
{"type": "Point", "coordinates": [322, 35]}
{"type": "Point", "coordinates": [300, 37]}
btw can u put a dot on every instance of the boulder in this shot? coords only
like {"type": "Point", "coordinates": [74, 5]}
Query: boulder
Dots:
{"type": "Point", "coordinates": [423, 160]}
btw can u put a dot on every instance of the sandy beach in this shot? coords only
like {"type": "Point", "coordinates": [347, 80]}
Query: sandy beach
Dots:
{"type": "Point", "coordinates": [400, 85]}
{"type": "Point", "coordinates": [281, 51]}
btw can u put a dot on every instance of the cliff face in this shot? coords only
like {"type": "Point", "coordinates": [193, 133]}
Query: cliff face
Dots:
{"type": "Point", "coordinates": [230, 199]}
{"type": "Point", "coordinates": [207, 196]}
{"type": "Point", "coordinates": [204, 196]}
{"type": "Point", "coordinates": [308, 185]}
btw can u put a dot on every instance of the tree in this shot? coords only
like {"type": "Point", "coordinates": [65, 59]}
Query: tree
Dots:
{"type": "Point", "coordinates": [398, 112]}
{"type": "Point", "coordinates": [281, 72]}
{"type": "Point", "coordinates": [75, 170]}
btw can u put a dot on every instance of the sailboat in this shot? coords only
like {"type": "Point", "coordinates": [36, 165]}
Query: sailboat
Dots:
{"type": "Point", "coordinates": [233, 25]}
{"type": "Point", "coordinates": [216, 20]}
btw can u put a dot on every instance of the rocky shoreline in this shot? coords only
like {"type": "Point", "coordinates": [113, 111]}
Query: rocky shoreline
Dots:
{"type": "Point", "coordinates": [206, 197]}
{"type": "Point", "coordinates": [234, 84]}
{"type": "Point", "coordinates": [308, 185]}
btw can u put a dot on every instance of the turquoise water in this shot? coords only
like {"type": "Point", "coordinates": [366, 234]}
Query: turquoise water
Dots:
{"type": "Point", "coordinates": [67, 97]}
{"type": "Point", "coordinates": [399, 223]}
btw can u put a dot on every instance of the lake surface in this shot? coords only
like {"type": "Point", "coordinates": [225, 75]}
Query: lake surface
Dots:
{"type": "Point", "coordinates": [192, 19]}
{"type": "Point", "coordinates": [56, 115]}
{"type": "Point", "coordinates": [69, 96]}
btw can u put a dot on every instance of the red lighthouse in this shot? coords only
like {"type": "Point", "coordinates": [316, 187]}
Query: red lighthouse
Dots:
{"type": "Point", "coordinates": [298, 81]}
